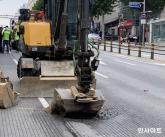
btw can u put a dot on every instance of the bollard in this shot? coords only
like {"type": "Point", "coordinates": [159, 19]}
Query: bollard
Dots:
{"type": "Point", "coordinates": [120, 48]}
{"type": "Point", "coordinates": [129, 49]}
{"type": "Point", "coordinates": [111, 46]}
{"type": "Point", "coordinates": [140, 51]}
{"type": "Point", "coordinates": [152, 51]}
{"type": "Point", "coordinates": [98, 45]}
{"type": "Point", "coordinates": [104, 45]}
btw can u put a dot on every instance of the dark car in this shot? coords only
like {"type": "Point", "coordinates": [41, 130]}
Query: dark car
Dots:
{"type": "Point", "coordinates": [133, 38]}
{"type": "Point", "coordinates": [108, 36]}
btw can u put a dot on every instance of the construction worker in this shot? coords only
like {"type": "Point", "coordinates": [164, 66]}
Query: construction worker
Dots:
{"type": "Point", "coordinates": [6, 39]}
{"type": "Point", "coordinates": [1, 28]}
{"type": "Point", "coordinates": [15, 38]}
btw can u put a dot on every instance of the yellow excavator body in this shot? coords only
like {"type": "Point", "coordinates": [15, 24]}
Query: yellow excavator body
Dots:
{"type": "Point", "coordinates": [37, 33]}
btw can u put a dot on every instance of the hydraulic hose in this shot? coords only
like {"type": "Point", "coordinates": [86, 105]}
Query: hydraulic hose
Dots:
{"type": "Point", "coordinates": [94, 47]}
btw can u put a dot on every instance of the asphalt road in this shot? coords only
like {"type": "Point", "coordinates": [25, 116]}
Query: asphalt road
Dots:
{"type": "Point", "coordinates": [134, 90]}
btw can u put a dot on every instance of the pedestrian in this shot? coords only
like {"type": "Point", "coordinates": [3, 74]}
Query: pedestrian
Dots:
{"type": "Point", "coordinates": [6, 39]}
{"type": "Point", "coordinates": [1, 28]}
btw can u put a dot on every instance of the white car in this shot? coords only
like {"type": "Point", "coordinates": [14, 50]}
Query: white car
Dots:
{"type": "Point", "coordinates": [94, 38]}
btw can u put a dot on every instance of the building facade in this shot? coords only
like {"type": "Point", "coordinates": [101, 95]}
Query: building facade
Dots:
{"type": "Point", "coordinates": [129, 21]}
{"type": "Point", "coordinates": [121, 16]}
{"type": "Point", "coordinates": [157, 29]}
{"type": "Point", "coordinates": [157, 32]}
{"type": "Point", "coordinates": [111, 22]}
{"type": "Point", "coordinates": [162, 15]}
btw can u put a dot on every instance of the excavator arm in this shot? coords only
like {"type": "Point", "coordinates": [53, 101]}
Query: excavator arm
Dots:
{"type": "Point", "coordinates": [83, 98]}
{"type": "Point", "coordinates": [56, 11]}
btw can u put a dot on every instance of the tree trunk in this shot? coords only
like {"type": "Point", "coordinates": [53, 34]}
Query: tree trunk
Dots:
{"type": "Point", "coordinates": [103, 28]}
{"type": "Point", "coordinates": [93, 25]}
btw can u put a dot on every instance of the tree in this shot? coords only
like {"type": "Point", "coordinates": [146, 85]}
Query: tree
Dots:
{"type": "Point", "coordinates": [39, 5]}
{"type": "Point", "coordinates": [153, 5]}
{"type": "Point", "coordinates": [101, 8]}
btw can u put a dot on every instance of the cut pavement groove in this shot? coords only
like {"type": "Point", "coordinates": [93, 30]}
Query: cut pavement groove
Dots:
{"type": "Point", "coordinates": [81, 130]}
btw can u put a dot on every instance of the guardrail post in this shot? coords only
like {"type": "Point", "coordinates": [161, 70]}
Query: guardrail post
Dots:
{"type": "Point", "coordinates": [104, 45]}
{"type": "Point", "coordinates": [119, 47]}
{"type": "Point", "coordinates": [152, 51]}
{"type": "Point", "coordinates": [111, 47]}
{"type": "Point", "coordinates": [140, 51]}
{"type": "Point", "coordinates": [129, 49]}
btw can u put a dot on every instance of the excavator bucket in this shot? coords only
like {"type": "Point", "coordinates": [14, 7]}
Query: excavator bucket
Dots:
{"type": "Point", "coordinates": [8, 96]}
{"type": "Point", "coordinates": [67, 103]}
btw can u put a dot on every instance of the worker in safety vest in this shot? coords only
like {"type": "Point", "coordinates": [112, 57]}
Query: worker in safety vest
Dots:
{"type": "Point", "coordinates": [6, 39]}
{"type": "Point", "coordinates": [15, 38]}
{"type": "Point", "coordinates": [1, 28]}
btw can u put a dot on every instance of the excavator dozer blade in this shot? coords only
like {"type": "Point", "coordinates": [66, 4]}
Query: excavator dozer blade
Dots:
{"type": "Point", "coordinates": [54, 74]}
{"type": "Point", "coordinates": [8, 97]}
{"type": "Point", "coordinates": [64, 103]}
{"type": "Point", "coordinates": [43, 87]}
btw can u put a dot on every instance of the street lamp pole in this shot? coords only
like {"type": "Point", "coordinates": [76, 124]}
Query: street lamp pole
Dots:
{"type": "Point", "coordinates": [144, 11]}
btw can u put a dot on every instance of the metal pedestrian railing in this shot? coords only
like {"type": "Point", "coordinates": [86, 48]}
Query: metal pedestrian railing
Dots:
{"type": "Point", "coordinates": [151, 49]}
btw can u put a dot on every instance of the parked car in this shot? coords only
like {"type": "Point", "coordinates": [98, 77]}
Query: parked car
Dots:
{"type": "Point", "coordinates": [133, 38]}
{"type": "Point", "coordinates": [94, 38]}
{"type": "Point", "coordinates": [108, 36]}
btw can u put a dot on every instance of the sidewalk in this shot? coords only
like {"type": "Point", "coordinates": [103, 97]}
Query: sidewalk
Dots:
{"type": "Point", "coordinates": [159, 52]}
{"type": "Point", "coordinates": [133, 44]}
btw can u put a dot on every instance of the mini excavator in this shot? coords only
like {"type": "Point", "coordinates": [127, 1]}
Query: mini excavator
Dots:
{"type": "Point", "coordinates": [56, 56]}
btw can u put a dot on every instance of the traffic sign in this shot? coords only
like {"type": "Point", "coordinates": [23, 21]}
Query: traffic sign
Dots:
{"type": "Point", "coordinates": [143, 16]}
{"type": "Point", "coordinates": [143, 21]}
{"type": "Point", "coordinates": [135, 5]}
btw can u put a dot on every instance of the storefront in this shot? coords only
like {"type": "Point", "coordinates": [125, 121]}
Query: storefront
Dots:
{"type": "Point", "coordinates": [125, 29]}
{"type": "Point", "coordinates": [157, 32]}
{"type": "Point", "coordinates": [112, 29]}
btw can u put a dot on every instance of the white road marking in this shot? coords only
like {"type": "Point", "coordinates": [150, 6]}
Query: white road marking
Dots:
{"type": "Point", "coordinates": [102, 63]}
{"type": "Point", "coordinates": [159, 64]}
{"type": "Point", "coordinates": [44, 103]}
{"type": "Point", "coordinates": [126, 62]}
{"type": "Point", "coordinates": [99, 74]}
{"type": "Point", "coordinates": [15, 61]}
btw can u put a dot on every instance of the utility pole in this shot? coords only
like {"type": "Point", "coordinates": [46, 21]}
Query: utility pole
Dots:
{"type": "Point", "coordinates": [144, 11]}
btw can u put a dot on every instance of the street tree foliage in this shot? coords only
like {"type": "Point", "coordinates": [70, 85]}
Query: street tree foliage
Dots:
{"type": "Point", "coordinates": [102, 7]}
{"type": "Point", "coordinates": [39, 5]}
{"type": "Point", "coordinates": [153, 5]}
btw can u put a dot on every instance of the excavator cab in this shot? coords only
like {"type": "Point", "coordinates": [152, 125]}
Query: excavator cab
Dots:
{"type": "Point", "coordinates": [35, 34]}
